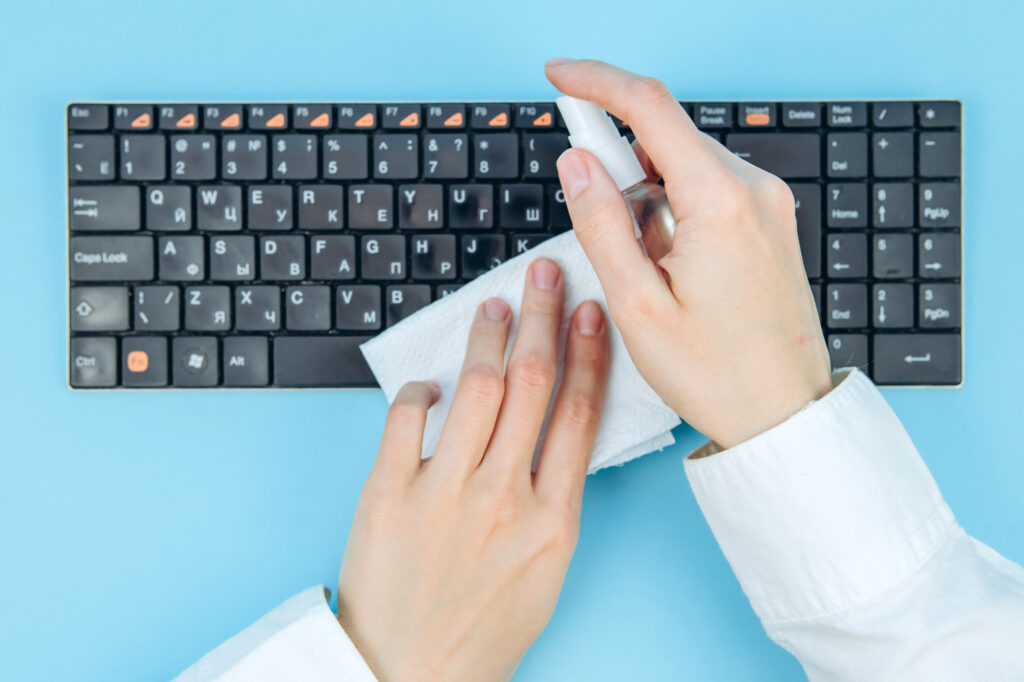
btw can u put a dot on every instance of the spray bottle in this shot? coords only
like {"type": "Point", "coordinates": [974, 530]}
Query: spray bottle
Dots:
{"type": "Point", "coordinates": [591, 128]}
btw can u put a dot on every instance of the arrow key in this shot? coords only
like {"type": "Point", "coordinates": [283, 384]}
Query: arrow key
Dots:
{"type": "Point", "coordinates": [99, 309]}
{"type": "Point", "coordinates": [938, 255]}
{"type": "Point", "coordinates": [938, 306]}
{"type": "Point", "coordinates": [847, 255]}
{"type": "Point", "coordinates": [892, 306]}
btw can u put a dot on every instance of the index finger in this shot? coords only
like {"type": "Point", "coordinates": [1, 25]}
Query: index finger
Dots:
{"type": "Point", "coordinates": [674, 144]}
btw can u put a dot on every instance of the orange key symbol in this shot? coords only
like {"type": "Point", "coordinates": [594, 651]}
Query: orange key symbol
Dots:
{"type": "Point", "coordinates": [232, 121]}
{"type": "Point", "coordinates": [499, 120]}
{"type": "Point", "coordinates": [142, 121]}
{"type": "Point", "coordinates": [454, 121]}
{"type": "Point", "coordinates": [410, 121]}
{"type": "Point", "coordinates": [758, 119]}
{"type": "Point", "coordinates": [320, 121]}
{"type": "Point", "coordinates": [365, 121]}
{"type": "Point", "coordinates": [276, 121]}
{"type": "Point", "coordinates": [186, 121]}
{"type": "Point", "coordinates": [138, 361]}
{"type": "Point", "coordinates": [543, 120]}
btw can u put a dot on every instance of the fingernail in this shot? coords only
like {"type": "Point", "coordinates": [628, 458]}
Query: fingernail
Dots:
{"type": "Point", "coordinates": [496, 309]}
{"type": "Point", "coordinates": [589, 318]}
{"type": "Point", "coordinates": [561, 61]}
{"type": "Point", "coordinates": [573, 172]}
{"type": "Point", "coordinates": [545, 274]}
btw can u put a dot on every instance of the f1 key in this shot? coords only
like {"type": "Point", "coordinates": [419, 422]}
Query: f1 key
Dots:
{"type": "Point", "coordinates": [133, 117]}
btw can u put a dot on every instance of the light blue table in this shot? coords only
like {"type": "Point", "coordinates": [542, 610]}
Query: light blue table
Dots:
{"type": "Point", "coordinates": [138, 530]}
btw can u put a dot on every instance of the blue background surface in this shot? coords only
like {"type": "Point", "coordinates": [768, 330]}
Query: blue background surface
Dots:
{"type": "Point", "coordinates": [138, 530]}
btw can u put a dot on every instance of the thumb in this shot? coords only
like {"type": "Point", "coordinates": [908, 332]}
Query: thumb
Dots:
{"type": "Point", "coordinates": [604, 226]}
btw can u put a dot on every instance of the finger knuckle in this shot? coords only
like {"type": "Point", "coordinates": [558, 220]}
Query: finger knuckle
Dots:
{"type": "Point", "coordinates": [484, 382]}
{"type": "Point", "coordinates": [581, 411]}
{"type": "Point", "coordinates": [534, 371]}
{"type": "Point", "coordinates": [560, 530]}
{"type": "Point", "coordinates": [774, 194]}
{"type": "Point", "coordinates": [649, 91]}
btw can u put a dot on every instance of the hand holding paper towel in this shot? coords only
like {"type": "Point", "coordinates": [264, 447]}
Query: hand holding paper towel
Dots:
{"type": "Point", "coordinates": [430, 345]}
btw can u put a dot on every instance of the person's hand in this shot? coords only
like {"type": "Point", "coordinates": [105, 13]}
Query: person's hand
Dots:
{"type": "Point", "coordinates": [454, 564]}
{"type": "Point", "coordinates": [724, 327]}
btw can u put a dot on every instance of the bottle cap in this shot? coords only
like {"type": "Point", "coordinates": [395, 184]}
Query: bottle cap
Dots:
{"type": "Point", "coordinates": [591, 128]}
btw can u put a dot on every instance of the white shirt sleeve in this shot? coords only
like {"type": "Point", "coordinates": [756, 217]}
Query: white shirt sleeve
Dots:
{"type": "Point", "coordinates": [299, 641]}
{"type": "Point", "coordinates": [848, 553]}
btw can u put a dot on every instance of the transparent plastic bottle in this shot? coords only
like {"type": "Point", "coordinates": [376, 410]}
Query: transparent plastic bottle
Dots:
{"type": "Point", "coordinates": [592, 129]}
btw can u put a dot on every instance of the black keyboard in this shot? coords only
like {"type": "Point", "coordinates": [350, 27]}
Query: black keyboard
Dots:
{"type": "Point", "coordinates": [257, 245]}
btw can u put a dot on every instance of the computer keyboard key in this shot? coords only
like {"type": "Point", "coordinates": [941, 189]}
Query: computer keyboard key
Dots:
{"type": "Point", "coordinates": [345, 157]}
{"type": "Point", "coordinates": [939, 114]}
{"type": "Point", "coordinates": [357, 307]}
{"type": "Point", "coordinates": [357, 116]}
{"type": "Point", "coordinates": [848, 350]}
{"type": "Point", "coordinates": [382, 257]}
{"type": "Point", "coordinates": [445, 289]}
{"type": "Point", "coordinates": [446, 116]}
{"type": "Point", "coordinates": [208, 308]}
{"type": "Point", "coordinates": [99, 309]}
{"type": "Point", "coordinates": [181, 259]}
{"type": "Point", "coordinates": [847, 204]}
{"type": "Point", "coordinates": [846, 306]}
{"type": "Point", "coordinates": [169, 208]}
{"type": "Point", "coordinates": [406, 116]}
{"type": "Point", "coordinates": [892, 256]}
{"type": "Point", "coordinates": [490, 116]}
{"type": "Point", "coordinates": [257, 308]}
{"type": "Point", "coordinates": [496, 155]}
{"type": "Point", "coordinates": [178, 117]}
{"type": "Point", "coordinates": [283, 258]}
{"type": "Point", "coordinates": [433, 257]}
{"type": "Point", "coordinates": [222, 117]}
{"type": "Point", "coordinates": [480, 253]}
{"type": "Point", "coordinates": [219, 208]}
{"type": "Point", "coordinates": [892, 114]}
{"type": "Point", "coordinates": [93, 362]}
{"type": "Point", "coordinates": [321, 361]}
{"type": "Point", "coordinates": [405, 299]}
{"type": "Point", "coordinates": [307, 308]}
{"type": "Point", "coordinates": [104, 208]}
{"type": "Point", "coordinates": [535, 116]}
{"type": "Point", "coordinates": [111, 259]}
{"type": "Point", "coordinates": [269, 207]}
{"type": "Point", "coordinates": [88, 116]}
{"type": "Point", "coordinates": [370, 207]}
{"type": "Point", "coordinates": [91, 157]}
{"type": "Point", "coordinates": [893, 154]}
{"type": "Point", "coordinates": [847, 155]}
{"type": "Point", "coordinates": [244, 157]}
{"type": "Point", "coordinates": [938, 255]}
{"type": "Point", "coordinates": [940, 204]}
{"type": "Point", "coordinates": [143, 157]}
{"type": "Point", "coordinates": [446, 156]}
{"type": "Point", "coordinates": [916, 359]}
{"type": "Point", "coordinates": [847, 114]}
{"type": "Point", "coordinates": [558, 212]}
{"type": "Point", "coordinates": [939, 154]}
{"type": "Point", "coordinates": [395, 156]}
{"type": "Point", "coordinates": [794, 155]}
{"type": "Point", "coordinates": [420, 207]}
{"type": "Point", "coordinates": [521, 243]}
{"type": "Point", "coordinates": [713, 115]}
{"type": "Point", "coordinates": [313, 117]}
{"type": "Point", "coordinates": [756, 115]}
{"type": "Point", "coordinates": [193, 157]}
{"type": "Point", "coordinates": [144, 361]}
{"type": "Point", "coordinates": [938, 306]}
{"type": "Point", "coordinates": [133, 117]}
{"type": "Point", "coordinates": [321, 207]}
{"type": "Point", "coordinates": [892, 205]}
{"type": "Point", "coordinates": [268, 116]}
{"type": "Point", "coordinates": [540, 152]}
{"type": "Point", "coordinates": [333, 257]}
{"type": "Point", "coordinates": [892, 306]}
{"type": "Point", "coordinates": [233, 258]}
{"type": "Point", "coordinates": [847, 255]}
{"type": "Point", "coordinates": [521, 206]}
{"type": "Point", "coordinates": [293, 157]}
{"type": "Point", "coordinates": [194, 361]}
{"type": "Point", "coordinates": [244, 361]}
{"type": "Point", "coordinates": [471, 206]}
{"type": "Point", "coordinates": [157, 308]}
{"type": "Point", "coordinates": [801, 115]}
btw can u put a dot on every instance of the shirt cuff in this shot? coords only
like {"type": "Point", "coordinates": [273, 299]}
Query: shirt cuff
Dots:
{"type": "Point", "coordinates": [299, 640]}
{"type": "Point", "coordinates": [825, 511]}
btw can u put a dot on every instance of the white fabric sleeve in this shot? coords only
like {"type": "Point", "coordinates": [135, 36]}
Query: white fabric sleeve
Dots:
{"type": "Point", "coordinates": [299, 641]}
{"type": "Point", "coordinates": [848, 553]}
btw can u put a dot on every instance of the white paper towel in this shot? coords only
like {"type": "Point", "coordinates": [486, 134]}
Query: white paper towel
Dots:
{"type": "Point", "coordinates": [430, 345]}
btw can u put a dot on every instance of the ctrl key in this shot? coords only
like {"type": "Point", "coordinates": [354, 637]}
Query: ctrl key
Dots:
{"type": "Point", "coordinates": [93, 362]}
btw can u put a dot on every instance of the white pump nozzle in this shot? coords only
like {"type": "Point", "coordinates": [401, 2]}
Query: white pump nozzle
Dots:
{"type": "Point", "coordinates": [590, 128]}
